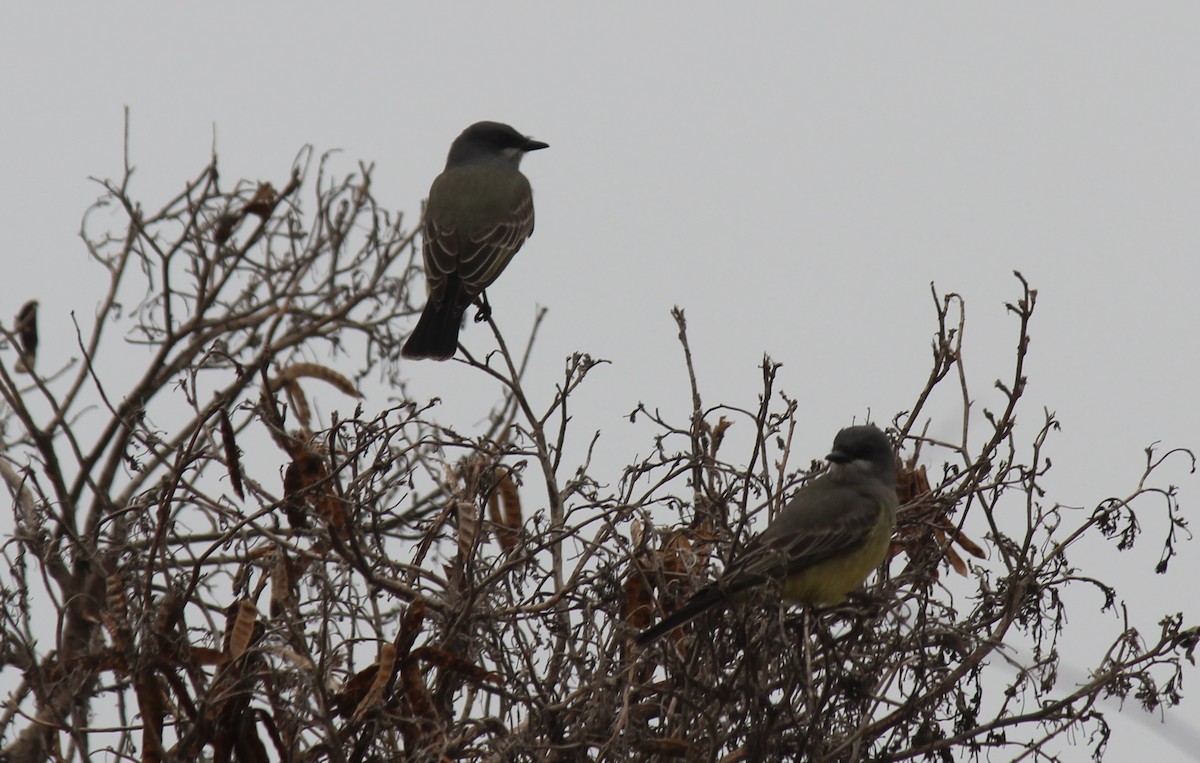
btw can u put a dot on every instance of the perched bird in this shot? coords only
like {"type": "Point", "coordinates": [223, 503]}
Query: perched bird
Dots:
{"type": "Point", "coordinates": [480, 212]}
{"type": "Point", "coordinates": [823, 544]}
{"type": "Point", "coordinates": [26, 330]}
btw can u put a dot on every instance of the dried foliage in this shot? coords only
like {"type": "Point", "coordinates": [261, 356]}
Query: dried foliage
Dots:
{"type": "Point", "coordinates": [202, 567]}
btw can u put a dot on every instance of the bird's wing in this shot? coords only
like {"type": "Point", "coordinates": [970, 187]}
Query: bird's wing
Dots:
{"type": "Point", "coordinates": [825, 519]}
{"type": "Point", "coordinates": [475, 222]}
{"type": "Point", "coordinates": [440, 251]}
{"type": "Point", "coordinates": [489, 249]}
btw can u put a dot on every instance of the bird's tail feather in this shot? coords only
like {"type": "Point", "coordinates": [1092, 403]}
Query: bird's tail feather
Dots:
{"type": "Point", "coordinates": [702, 601]}
{"type": "Point", "coordinates": [436, 333]}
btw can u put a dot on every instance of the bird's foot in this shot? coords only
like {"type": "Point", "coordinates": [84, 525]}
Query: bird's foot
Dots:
{"type": "Point", "coordinates": [485, 309]}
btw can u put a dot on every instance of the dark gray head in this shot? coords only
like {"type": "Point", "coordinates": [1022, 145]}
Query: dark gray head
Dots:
{"type": "Point", "coordinates": [864, 449]}
{"type": "Point", "coordinates": [491, 143]}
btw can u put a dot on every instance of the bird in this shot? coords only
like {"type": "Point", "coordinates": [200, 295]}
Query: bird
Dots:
{"type": "Point", "coordinates": [825, 541]}
{"type": "Point", "coordinates": [479, 213]}
{"type": "Point", "coordinates": [26, 330]}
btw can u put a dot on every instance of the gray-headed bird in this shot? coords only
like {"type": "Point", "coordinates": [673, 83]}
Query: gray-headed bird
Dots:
{"type": "Point", "coordinates": [480, 212]}
{"type": "Point", "coordinates": [825, 541]}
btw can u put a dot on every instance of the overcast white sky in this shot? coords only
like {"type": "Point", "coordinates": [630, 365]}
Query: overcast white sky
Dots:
{"type": "Point", "coordinates": [794, 175]}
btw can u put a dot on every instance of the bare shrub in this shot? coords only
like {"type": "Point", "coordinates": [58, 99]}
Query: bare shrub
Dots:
{"type": "Point", "coordinates": [199, 567]}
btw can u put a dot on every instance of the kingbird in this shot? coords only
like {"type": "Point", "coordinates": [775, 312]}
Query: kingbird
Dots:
{"type": "Point", "coordinates": [480, 212]}
{"type": "Point", "coordinates": [823, 544]}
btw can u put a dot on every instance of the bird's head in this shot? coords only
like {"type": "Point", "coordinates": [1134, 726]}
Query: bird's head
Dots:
{"type": "Point", "coordinates": [864, 449]}
{"type": "Point", "coordinates": [491, 143]}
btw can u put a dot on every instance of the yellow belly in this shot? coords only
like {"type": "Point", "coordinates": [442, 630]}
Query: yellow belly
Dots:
{"type": "Point", "coordinates": [829, 581]}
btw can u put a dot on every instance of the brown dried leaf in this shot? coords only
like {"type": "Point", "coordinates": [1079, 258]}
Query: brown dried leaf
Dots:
{"type": "Point", "coordinates": [346, 699]}
{"type": "Point", "coordinates": [201, 656]}
{"type": "Point", "coordinates": [296, 371]}
{"type": "Point", "coordinates": [330, 509]}
{"type": "Point", "coordinates": [416, 693]}
{"type": "Point", "coordinates": [25, 327]}
{"type": "Point", "coordinates": [379, 682]}
{"type": "Point", "coordinates": [911, 484]}
{"type": "Point", "coordinates": [637, 533]}
{"type": "Point", "coordinates": [233, 463]}
{"type": "Point", "coordinates": [718, 434]}
{"type": "Point", "coordinates": [299, 401]}
{"type": "Point", "coordinates": [456, 663]}
{"type": "Point", "coordinates": [418, 722]}
{"type": "Point", "coordinates": [949, 554]}
{"type": "Point", "coordinates": [312, 468]}
{"type": "Point", "coordinates": [169, 613]}
{"type": "Point", "coordinates": [677, 555]}
{"type": "Point", "coordinates": [293, 505]}
{"type": "Point", "coordinates": [513, 519]}
{"type": "Point", "coordinates": [956, 561]}
{"type": "Point", "coordinates": [243, 628]}
{"type": "Point", "coordinates": [467, 513]}
{"type": "Point", "coordinates": [410, 627]}
{"type": "Point", "coordinates": [263, 202]}
{"type": "Point", "coordinates": [152, 705]}
{"type": "Point", "coordinates": [225, 225]}
{"type": "Point", "coordinates": [637, 605]}
{"type": "Point", "coordinates": [115, 615]}
{"type": "Point", "coordinates": [308, 471]}
{"type": "Point", "coordinates": [968, 545]}
{"type": "Point", "coordinates": [283, 584]}
{"type": "Point", "coordinates": [926, 535]}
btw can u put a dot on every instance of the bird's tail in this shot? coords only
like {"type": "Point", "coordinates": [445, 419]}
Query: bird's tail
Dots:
{"type": "Point", "coordinates": [702, 601]}
{"type": "Point", "coordinates": [436, 333]}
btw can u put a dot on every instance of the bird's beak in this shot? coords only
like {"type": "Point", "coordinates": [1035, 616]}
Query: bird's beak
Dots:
{"type": "Point", "coordinates": [533, 145]}
{"type": "Point", "coordinates": [838, 457]}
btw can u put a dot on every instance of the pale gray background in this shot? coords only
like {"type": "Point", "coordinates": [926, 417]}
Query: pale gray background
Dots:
{"type": "Point", "coordinates": [794, 175]}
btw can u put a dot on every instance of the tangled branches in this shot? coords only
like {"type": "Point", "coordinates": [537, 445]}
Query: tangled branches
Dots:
{"type": "Point", "coordinates": [201, 567]}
